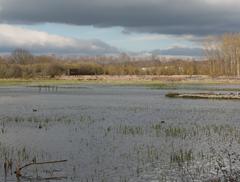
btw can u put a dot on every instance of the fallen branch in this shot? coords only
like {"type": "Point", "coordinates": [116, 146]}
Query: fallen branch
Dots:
{"type": "Point", "coordinates": [18, 169]}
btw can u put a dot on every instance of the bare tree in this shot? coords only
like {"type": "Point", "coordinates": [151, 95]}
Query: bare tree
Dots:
{"type": "Point", "coordinates": [21, 56]}
{"type": "Point", "coordinates": [223, 52]}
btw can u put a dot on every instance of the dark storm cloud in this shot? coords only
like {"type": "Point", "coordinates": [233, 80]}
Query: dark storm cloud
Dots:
{"type": "Point", "coordinates": [197, 17]}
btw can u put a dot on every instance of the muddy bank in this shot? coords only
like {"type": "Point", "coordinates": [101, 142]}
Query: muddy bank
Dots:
{"type": "Point", "coordinates": [204, 95]}
{"type": "Point", "coordinates": [133, 77]}
{"type": "Point", "coordinates": [124, 79]}
{"type": "Point", "coordinates": [192, 79]}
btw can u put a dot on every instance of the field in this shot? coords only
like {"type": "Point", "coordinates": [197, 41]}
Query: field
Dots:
{"type": "Point", "coordinates": [144, 80]}
{"type": "Point", "coordinates": [118, 131]}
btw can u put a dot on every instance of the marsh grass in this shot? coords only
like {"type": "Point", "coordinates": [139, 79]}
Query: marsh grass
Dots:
{"type": "Point", "coordinates": [181, 156]}
{"type": "Point", "coordinates": [186, 151]}
{"type": "Point", "coordinates": [130, 130]}
{"type": "Point", "coordinates": [192, 162]}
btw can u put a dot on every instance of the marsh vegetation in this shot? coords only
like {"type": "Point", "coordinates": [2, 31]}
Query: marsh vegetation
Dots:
{"type": "Point", "coordinates": [114, 133]}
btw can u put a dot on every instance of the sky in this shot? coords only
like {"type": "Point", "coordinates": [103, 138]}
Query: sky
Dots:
{"type": "Point", "coordinates": [107, 27]}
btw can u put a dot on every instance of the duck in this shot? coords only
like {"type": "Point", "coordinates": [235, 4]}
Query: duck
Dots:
{"type": "Point", "coordinates": [34, 110]}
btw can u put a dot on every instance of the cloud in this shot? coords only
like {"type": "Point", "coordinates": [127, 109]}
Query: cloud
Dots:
{"type": "Point", "coordinates": [162, 37]}
{"type": "Point", "coordinates": [180, 51]}
{"type": "Point", "coordinates": [196, 17]}
{"type": "Point", "coordinates": [12, 37]}
{"type": "Point", "coordinates": [149, 37]}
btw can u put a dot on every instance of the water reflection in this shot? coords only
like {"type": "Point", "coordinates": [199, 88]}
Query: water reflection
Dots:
{"type": "Point", "coordinates": [47, 88]}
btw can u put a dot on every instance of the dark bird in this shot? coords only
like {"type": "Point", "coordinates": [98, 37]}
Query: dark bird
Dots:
{"type": "Point", "coordinates": [40, 126]}
{"type": "Point", "coordinates": [34, 110]}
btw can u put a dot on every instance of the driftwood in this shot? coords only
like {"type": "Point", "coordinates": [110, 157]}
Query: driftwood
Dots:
{"type": "Point", "coordinates": [18, 168]}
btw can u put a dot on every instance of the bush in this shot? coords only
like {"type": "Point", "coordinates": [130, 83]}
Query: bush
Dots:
{"type": "Point", "coordinates": [54, 69]}
{"type": "Point", "coordinates": [13, 71]}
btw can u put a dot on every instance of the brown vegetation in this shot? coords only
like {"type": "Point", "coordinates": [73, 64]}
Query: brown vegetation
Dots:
{"type": "Point", "coordinates": [223, 53]}
{"type": "Point", "coordinates": [204, 95]}
{"type": "Point", "coordinates": [22, 64]}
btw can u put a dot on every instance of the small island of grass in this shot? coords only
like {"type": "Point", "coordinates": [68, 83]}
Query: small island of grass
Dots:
{"type": "Point", "coordinates": [204, 95]}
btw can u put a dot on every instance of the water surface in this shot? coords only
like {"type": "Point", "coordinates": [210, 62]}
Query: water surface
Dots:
{"type": "Point", "coordinates": [109, 133]}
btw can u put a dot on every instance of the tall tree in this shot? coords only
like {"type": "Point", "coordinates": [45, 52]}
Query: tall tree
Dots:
{"type": "Point", "coordinates": [22, 56]}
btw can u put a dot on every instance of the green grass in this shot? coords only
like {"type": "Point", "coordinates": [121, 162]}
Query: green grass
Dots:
{"type": "Point", "coordinates": [13, 82]}
{"type": "Point", "coordinates": [152, 84]}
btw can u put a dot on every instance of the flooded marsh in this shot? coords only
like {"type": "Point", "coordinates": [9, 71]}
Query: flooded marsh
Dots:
{"type": "Point", "coordinates": [117, 133]}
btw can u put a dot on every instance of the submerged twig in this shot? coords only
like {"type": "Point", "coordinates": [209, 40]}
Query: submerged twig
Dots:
{"type": "Point", "coordinates": [18, 169]}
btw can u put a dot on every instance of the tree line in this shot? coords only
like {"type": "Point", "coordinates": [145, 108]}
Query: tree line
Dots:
{"type": "Point", "coordinates": [222, 58]}
{"type": "Point", "coordinates": [22, 64]}
{"type": "Point", "coordinates": [223, 53]}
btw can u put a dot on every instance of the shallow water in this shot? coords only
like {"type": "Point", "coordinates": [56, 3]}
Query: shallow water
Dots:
{"type": "Point", "coordinates": [107, 133]}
